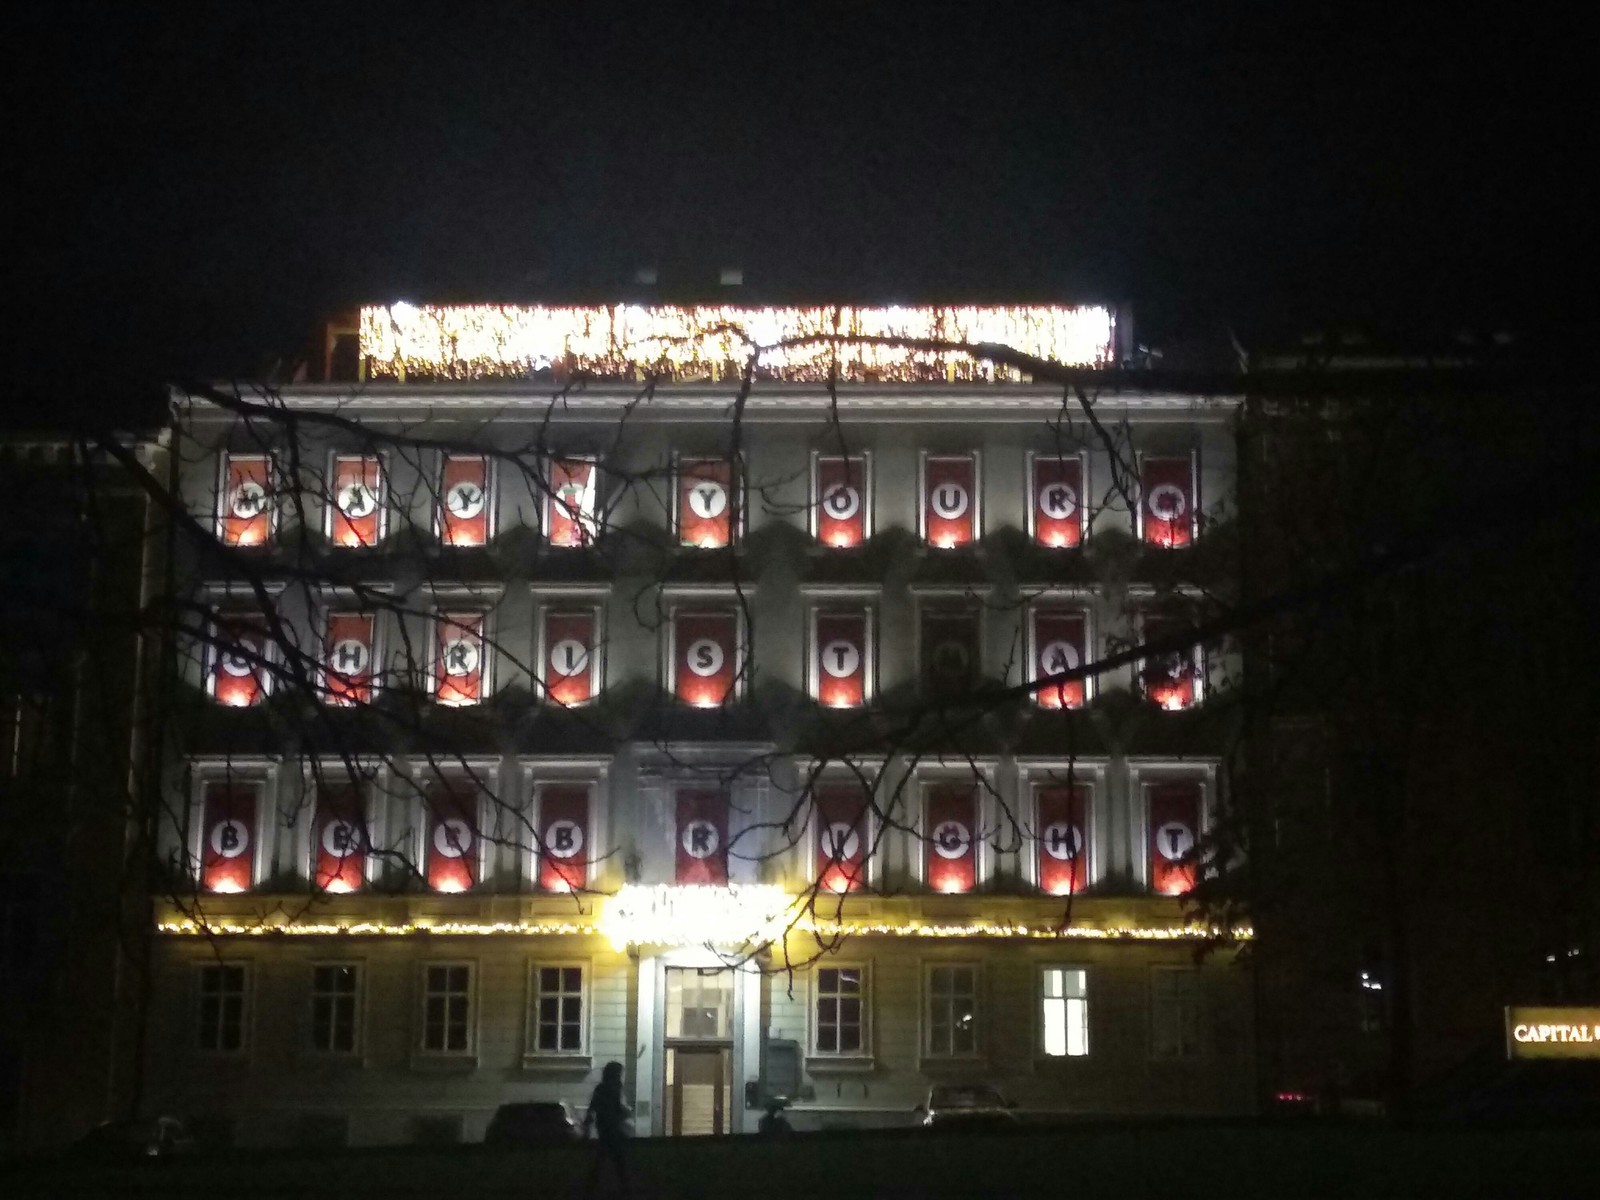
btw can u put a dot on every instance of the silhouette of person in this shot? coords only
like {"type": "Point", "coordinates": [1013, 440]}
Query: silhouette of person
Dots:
{"type": "Point", "coordinates": [608, 1117]}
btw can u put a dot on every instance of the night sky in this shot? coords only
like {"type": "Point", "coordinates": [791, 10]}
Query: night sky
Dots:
{"type": "Point", "coordinates": [192, 189]}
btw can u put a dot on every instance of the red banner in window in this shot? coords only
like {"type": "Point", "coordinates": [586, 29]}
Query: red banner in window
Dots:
{"type": "Point", "coordinates": [339, 840]}
{"type": "Point", "coordinates": [240, 674]}
{"type": "Point", "coordinates": [464, 500]}
{"type": "Point", "coordinates": [702, 830]}
{"type": "Point", "coordinates": [564, 837]}
{"type": "Point", "coordinates": [841, 666]}
{"type": "Point", "coordinates": [452, 852]}
{"type": "Point", "coordinates": [949, 501]}
{"type": "Point", "coordinates": [1174, 828]}
{"type": "Point", "coordinates": [707, 504]}
{"type": "Point", "coordinates": [707, 653]}
{"type": "Point", "coordinates": [357, 501]}
{"type": "Point", "coordinates": [1059, 645]}
{"type": "Point", "coordinates": [841, 502]}
{"type": "Point", "coordinates": [228, 837]}
{"type": "Point", "coordinates": [1167, 501]}
{"type": "Point", "coordinates": [842, 836]}
{"type": "Point", "coordinates": [244, 510]}
{"type": "Point", "coordinates": [950, 855]}
{"type": "Point", "coordinates": [569, 642]}
{"type": "Point", "coordinates": [458, 658]}
{"type": "Point", "coordinates": [570, 509]}
{"type": "Point", "coordinates": [1063, 839]}
{"type": "Point", "coordinates": [949, 650]}
{"type": "Point", "coordinates": [348, 654]}
{"type": "Point", "coordinates": [1170, 680]}
{"type": "Point", "coordinates": [1058, 508]}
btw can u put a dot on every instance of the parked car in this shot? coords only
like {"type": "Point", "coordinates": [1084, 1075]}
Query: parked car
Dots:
{"type": "Point", "coordinates": [140, 1140]}
{"type": "Point", "coordinates": [542, 1123]}
{"type": "Point", "coordinates": [955, 1107]}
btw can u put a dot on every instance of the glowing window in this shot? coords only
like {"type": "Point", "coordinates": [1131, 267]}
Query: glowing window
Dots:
{"type": "Point", "coordinates": [1064, 1011]}
{"type": "Point", "coordinates": [465, 502]}
{"type": "Point", "coordinates": [841, 501]}
{"type": "Point", "coordinates": [245, 512]}
{"type": "Point", "coordinates": [707, 503]}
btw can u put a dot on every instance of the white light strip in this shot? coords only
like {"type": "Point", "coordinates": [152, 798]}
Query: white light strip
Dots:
{"type": "Point", "coordinates": [488, 341]}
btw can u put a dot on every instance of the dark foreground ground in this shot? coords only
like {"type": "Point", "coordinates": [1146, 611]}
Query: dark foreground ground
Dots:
{"type": "Point", "coordinates": [1170, 1161]}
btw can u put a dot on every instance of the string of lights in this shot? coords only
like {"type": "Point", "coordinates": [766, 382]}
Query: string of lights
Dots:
{"type": "Point", "coordinates": [714, 342]}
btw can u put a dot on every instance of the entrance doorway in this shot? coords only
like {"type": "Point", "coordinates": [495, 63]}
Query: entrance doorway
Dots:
{"type": "Point", "coordinates": [698, 1080]}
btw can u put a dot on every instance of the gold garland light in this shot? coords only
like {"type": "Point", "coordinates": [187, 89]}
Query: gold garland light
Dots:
{"type": "Point", "coordinates": [714, 342]}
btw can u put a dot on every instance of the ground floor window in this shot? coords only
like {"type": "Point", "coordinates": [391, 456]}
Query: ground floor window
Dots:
{"type": "Point", "coordinates": [1174, 1013]}
{"type": "Point", "coordinates": [221, 988]}
{"type": "Point", "coordinates": [840, 1024]}
{"type": "Point", "coordinates": [559, 993]}
{"type": "Point", "coordinates": [1064, 1011]}
{"type": "Point", "coordinates": [950, 1025]}
{"type": "Point", "coordinates": [447, 1008]}
{"type": "Point", "coordinates": [335, 1005]}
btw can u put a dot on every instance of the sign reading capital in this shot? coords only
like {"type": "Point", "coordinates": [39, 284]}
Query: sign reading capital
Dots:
{"type": "Point", "coordinates": [1551, 1032]}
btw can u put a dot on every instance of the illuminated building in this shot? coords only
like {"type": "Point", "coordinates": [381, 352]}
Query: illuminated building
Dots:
{"type": "Point", "coordinates": [635, 639]}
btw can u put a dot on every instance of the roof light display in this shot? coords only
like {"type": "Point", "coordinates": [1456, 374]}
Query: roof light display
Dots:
{"type": "Point", "coordinates": [714, 342]}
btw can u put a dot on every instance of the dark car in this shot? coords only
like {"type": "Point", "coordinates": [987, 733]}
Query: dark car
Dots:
{"type": "Point", "coordinates": [546, 1123]}
{"type": "Point", "coordinates": [140, 1140]}
{"type": "Point", "coordinates": [957, 1107]}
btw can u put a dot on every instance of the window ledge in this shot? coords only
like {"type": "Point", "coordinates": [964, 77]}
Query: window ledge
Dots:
{"type": "Point", "coordinates": [841, 1064]}
{"type": "Point", "coordinates": [557, 1062]}
{"type": "Point", "coordinates": [443, 1064]}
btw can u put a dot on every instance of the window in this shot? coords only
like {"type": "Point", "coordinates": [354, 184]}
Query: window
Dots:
{"type": "Point", "coordinates": [460, 659]}
{"type": "Point", "coordinates": [950, 649]}
{"type": "Point", "coordinates": [701, 837]}
{"type": "Point", "coordinates": [356, 505]}
{"type": "Point", "coordinates": [349, 658]}
{"type": "Point", "coordinates": [1059, 643]}
{"type": "Point", "coordinates": [559, 996]}
{"type": "Point", "coordinates": [1174, 1013]}
{"type": "Point", "coordinates": [950, 1022]}
{"type": "Point", "coordinates": [244, 500]}
{"type": "Point", "coordinates": [841, 666]}
{"type": "Point", "coordinates": [447, 1008]}
{"type": "Point", "coordinates": [464, 503]}
{"type": "Point", "coordinates": [1174, 680]}
{"type": "Point", "coordinates": [949, 508]}
{"type": "Point", "coordinates": [563, 845]}
{"type": "Point", "coordinates": [1057, 516]}
{"type": "Point", "coordinates": [841, 500]}
{"type": "Point", "coordinates": [241, 661]}
{"type": "Point", "coordinates": [950, 841]}
{"type": "Point", "coordinates": [840, 1015]}
{"type": "Point", "coordinates": [230, 811]}
{"type": "Point", "coordinates": [707, 503]}
{"type": "Point", "coordinates": [843, 837]}
{"type": "Point", "coordinates": [705, 657]}
{"type": "Point", "coordinates": [570, 508]}
{"type": "Point", "coordinates": [221, 989]}
{"type": "Point", "coordinates": [453, 853]}
{"type": "Point", "coordinates": [1064, 1012]}
{"type": "Point", "coordinates": [335, 1008]}
{"type": "Point", "coordinates": [1174, 810]}
{"type": "Point", "coordinates": [341, 839]}
{"type": "Point", "coordinates": [1168, 501]}
{"type": "Point", "coordinates": [571, 651]}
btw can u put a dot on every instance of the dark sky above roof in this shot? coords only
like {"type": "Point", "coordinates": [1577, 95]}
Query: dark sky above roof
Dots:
{"type": "Point", "coordinates": [193, 188]}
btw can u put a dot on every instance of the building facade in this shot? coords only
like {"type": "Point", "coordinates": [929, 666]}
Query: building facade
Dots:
{"type": "Point", "coordinates": [541, 702]}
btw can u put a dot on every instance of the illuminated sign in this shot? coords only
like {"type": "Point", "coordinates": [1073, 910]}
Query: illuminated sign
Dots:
{"type": "Point", "coordinates": [1552, 1032]}
{"type": "Point", "coordinates": [731, 915]}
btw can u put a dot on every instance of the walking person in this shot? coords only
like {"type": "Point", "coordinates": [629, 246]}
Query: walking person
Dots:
{"type": "Point", "coordinates": [608, 1116]}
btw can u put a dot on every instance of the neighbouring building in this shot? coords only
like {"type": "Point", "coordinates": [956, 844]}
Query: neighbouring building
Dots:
{"type": "Point", "coordinates": [554, 695]}
{"type": "Point", "coordinates": [72, 917]}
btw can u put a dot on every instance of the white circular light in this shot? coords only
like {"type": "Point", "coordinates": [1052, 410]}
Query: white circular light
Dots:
{"type": "Point", "coordinates": [355, 499]}
{"type": "Point", "coordinates": [951, 839]}
{"type": "Point", "coordinates": [464, 500]}
{"type": "Point", "coordinates": [841, 659]}
{"type": "Point", "coordinates": [249, 500]}
{"type": "Point", "coordinates": [569, 657]}
{"type": "Point", "coordinates": [841, 501]}
{"type": "Point", "coordinates": [1062, 841]}
{"type": "Point", "coordinates": [700, 838]}
{"type": "Point", "coordinates": [563, 839]}
{"type": "Point", "coordinates": [1174, 840]}
{"type": "Point", "coordinates": [1057, 501]}
{"type": "Point", "coordinates": [705, 657]}
{"type": "Point", "coordinates": [1168, 502]}
{"type": "Point", "coordinates": [452, 838]}
{"type": "Point", "coordinates": [949, 500]}
{"type": "Point", "coordinates": [230, 838]}
{"type": "Point", "coordinates": [708, 499]}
